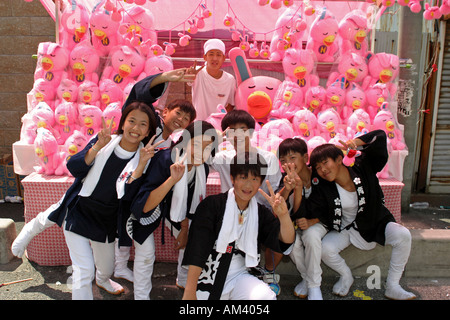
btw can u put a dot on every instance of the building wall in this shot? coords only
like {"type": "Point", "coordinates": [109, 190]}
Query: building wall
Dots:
{"type": "Point", "coordinates": [23, 25]}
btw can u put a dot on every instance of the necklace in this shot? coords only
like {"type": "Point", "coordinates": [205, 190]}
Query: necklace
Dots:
{"type": "Point", "coordinates": [241, 216]}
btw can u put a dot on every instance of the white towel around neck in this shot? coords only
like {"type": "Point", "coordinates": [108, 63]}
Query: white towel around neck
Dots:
{"type": "Point", "coordinates": [248, 239]}
{"type": "Point", "coordinates": [93, 176]}
{"type": "Point", "coordinates": [178, 207]}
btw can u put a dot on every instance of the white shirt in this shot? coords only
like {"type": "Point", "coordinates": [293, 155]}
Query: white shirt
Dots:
{"type": "Point", "coordinates": [208, 92]}
{"type": "Point", "coordinates": [221, 163]}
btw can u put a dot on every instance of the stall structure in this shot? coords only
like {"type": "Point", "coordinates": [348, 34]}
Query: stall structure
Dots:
{"type": "Point", "coordinates": [338, 80]}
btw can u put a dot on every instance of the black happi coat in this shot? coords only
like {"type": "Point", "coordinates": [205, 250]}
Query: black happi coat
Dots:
{"type": "Point", "coordinates": [372, 216]}
{"type": "Point", "coordinates": [203, 233]}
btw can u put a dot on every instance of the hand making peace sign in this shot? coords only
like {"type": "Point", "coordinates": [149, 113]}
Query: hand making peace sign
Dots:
{"type": "Point", "coordinates": [177, 169]}
{"type": "Point", "coordinates": [148, 151]}
{"type": "Point", "coordinates": [291, 179]}
{"type": "Point", "coordinates": [276, 201]}
{"type": "Point", "coordinates": [104, 135]}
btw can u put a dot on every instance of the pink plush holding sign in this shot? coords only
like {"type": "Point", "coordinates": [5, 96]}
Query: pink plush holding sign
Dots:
{"type": "Point", "coordinates": [253, 94]}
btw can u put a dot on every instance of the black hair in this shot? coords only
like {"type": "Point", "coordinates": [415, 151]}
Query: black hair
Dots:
{"type": "Point", "coordinates": [142, 106]}
{"type": "Point", "coordinates": [184, 106]}
{"type": "Point", "coordinates": [238, 116]}
{"type": "Point", "coordinates": [248, 162]}
{"type": "Point", "coordinates": [197, 128]}
{"type": "Point", "coordinates": [293, 145]}
{"type": "Point", "coordinates": [323, 152]}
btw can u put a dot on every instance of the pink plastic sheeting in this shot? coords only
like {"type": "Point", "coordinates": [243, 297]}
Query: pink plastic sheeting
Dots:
{"type": "Point", "coordinates": [255, 19]}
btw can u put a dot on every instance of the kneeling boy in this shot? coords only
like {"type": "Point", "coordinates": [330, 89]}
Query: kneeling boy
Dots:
{"type": "Point", "coordinates": [225, 234]}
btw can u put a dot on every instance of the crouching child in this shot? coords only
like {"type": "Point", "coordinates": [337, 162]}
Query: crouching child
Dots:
{"type": "Point", "coordinates": [226, 232]}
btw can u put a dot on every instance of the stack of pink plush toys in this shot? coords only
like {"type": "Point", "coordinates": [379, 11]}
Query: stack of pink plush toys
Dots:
{"type": "Point", "coordinates": [102, 53]}
{"type": "Point", "coordinates": [85, 77]}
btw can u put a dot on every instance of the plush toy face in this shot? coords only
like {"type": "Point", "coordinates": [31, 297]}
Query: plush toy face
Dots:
{"type": "Point", "coordinates": [158, 64]}
{"type": "Point", "coordinates": [336, 94]}
{"type": "Point", "coordinates": [139, 19]}
{"type": "Point", "coordinates": [359, 120]}
{"type": "Point", "coordinates": [384, 120]}
{"type": "Point", "coordinates": [126, 62]}
{"type": "Point", "coordinates": [384, 67]}
{"type": "Point", "coordinates": [376, 95]}
{"type": "Point", "coordinates": [110, 92]}
{"type": "Point", "coordinates": [324, 29]}
{"type": "Point", "coordinates": [88, 92]}
{"type": "Point", "coordinates": [353, 66]}
{"type": "Point", "coordinates": [66, 113]}
{"type": "Point", "coordinates": [42, 115]}
{"type": "Point", "coordinates": [290, 92]}
{"type": "Point", "coordinates": [113, 112]}
{"type": "Point", "coordinates": [328, 120]}
{"type": "Point", "coordinates": [75, 20]}
{"type": "Point", "coordinates": [315, 98]}
{"type": "Point", "coordinates": [75, 143]}
{"type": "Point", "coordinates": [356, 98]}
{"type": "Point", "coordinates": [353, 27]}
{"type": "Point", "coordinates": [45, 144]}
{"type": "Point", "coordinates": [256, 95]}
{"type": "Point", "coordinates": [83, 60]}
{"type": "Point", "coordinates": [44, 90]}
{"type": "Point", "coordinates": [298, 64]}
{"type": "Point", "coordinates": [102, 25]}
{"type": "Point", "coordinates": [90, 116]}
{"type": "Point", "coordinates": [52, 57]}
{"type": "Point", "coordinates": [67, 91]}
{"type": "Point", "coordinates": [304, 121]}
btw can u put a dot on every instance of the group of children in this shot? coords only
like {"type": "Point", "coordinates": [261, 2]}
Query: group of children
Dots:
{"type": "Point", "coordinates": [129, 183]}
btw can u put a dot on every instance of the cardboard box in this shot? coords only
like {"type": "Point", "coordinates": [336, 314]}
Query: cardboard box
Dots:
{"type": "Point", "coordinates": [10, 182]}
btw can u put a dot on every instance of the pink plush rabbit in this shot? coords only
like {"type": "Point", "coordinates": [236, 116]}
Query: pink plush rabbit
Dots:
{"type": "Point", "coordinates": [74, 143]}
{"type": "Point", "coordinates": [66, 120]}
{"type": "Point", "coordinates": [299, 66]}
{"type": "Point", "coordinates": [253, 94]}
{"type": "Point", "coordinates": [288, 100]}
{"type": "Point", "coordinates": [322, 36]}
{"type": "Point", "coordinates": [126, 65]}
{"type": "Point", "coordinates": [105, 31]}
{"type": "Point", "coordinates": [52, 62]}
{"type": "Point", "coordinates": [46, 149]}
{"type": "Point", "coordinates": [305, 124]}
{"type": "Point", "coordinates": [84, 61]}
{"type": "Point", "coordinates": [353, 32]}
{"type": "Point", "coordinates": [110, 92]}
{"type": "Point", "coordinates": [90, 119]}
{"type": "Point", "coordinates": [74, 25]}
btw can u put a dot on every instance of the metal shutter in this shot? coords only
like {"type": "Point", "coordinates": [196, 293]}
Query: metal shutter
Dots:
{"type": "Point", "coordinates": [439, 173]}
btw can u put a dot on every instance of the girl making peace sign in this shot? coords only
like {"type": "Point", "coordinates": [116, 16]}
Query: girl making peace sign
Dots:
{"type": "Point", "coordinates": [105, 178]}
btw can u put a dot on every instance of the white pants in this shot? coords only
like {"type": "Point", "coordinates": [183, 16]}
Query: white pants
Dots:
{"type": "Point", "coordinates": [307, 254]}
{"type": "Point", "coordinates": [248, 287]}
{"type": "Point", "coordinates": [86, 256]}
{"type": "Point", "coordinates": [144, 259]}
{"type": "Point", "coordinates": [396, 235]}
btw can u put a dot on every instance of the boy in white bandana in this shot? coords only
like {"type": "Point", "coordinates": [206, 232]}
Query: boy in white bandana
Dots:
{"type": "Point", "coordinates": [226, 232]}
